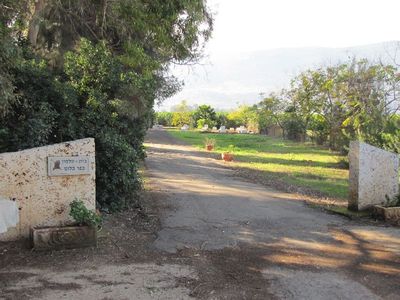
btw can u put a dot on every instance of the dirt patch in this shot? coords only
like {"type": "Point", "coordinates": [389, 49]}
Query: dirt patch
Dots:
{"type": "Point", "coordinates": [125, 236]}
{"type": "Point", "coordinates": [127, 239]}
{"type": "Point", "coordinates": [231, 273]}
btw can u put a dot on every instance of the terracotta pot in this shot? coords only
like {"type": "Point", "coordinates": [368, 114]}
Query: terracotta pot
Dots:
{"type": "Point", "coordinates": [227, 156]}
{"type": "Point", "coordinates": [209, 147]}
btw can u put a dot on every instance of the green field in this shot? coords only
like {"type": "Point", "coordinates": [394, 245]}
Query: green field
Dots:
{"type": "Point", "coordinates": [298, 164]}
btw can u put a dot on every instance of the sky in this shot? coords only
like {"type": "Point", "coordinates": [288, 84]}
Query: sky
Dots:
{"type": "Point", "coordinates": [246, 26]}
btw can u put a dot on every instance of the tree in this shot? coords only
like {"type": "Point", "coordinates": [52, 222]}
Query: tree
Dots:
{"type": "Point", "coordinates": [181, 118]}
{"type": "Point", "coordinates": [205, 113]}
{"type": "Point", "coordinates": [271, 109]}
{"type": "Point", "coordinates": [182, 106]}
{"type": "Point", "coordinates": [355, 100]}
{"type": "Point", "coordinates": [222, 119]}
{"type": "Point", "coordinates": [305, 99]}
{"type": "Point", "coordinates": [164, 118]}
{"type": "Point", "coordinates": [141, 31]}
{"type": "Point", "coordinates": [245, 116]}
{"type": "Point", "coordinates": [74, 69]}
{"type": "Point", "coordinates": [371, 97]}
{"type": "Point", "coordinates": [11, 12]}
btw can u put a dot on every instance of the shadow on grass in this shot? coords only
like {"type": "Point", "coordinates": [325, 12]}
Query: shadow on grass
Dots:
{"type": "Point", "coordinates": [301, 183]}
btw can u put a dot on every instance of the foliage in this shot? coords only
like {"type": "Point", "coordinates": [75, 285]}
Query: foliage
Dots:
{"type": "Point", "coordinates": [200, 123]}
{"type": "Point", "coordinates": [245, 116]}
{"type": "Point", "coordinates": [146, 34]}
{"type": "Point", "coordinates": [318, 129]}
{"type": "Point", "coordinates": [182, 113]}
{"type": "Point", "coordinates": [271, 111]}
{"type": "Point", "coordinates": [98, 78]}
{"type": "Point", "coordinates": [221, 119]}
{"type": "Point", "coordinates": [391, 136]}
{"type": "Point", "coordinates": [336, 104]}
{"type": "Point", "coordinates": [206, 114]}
{"type": "Point", "coordinates": [31, 122]}
{"type": "Point", "coordinates": [8, 59]}
{"type": "Point", "coordinates": [75, 69]}
{"type": "Point", "coordinates": [183, 106]}
{"type": "Point", "coordinates": [181, 118]}
{"type": "Point", "coordinates": [163, 118]}
{"type": "Point", "coordinates": [293, 125]}
{"type": "Point", "coordinates": [84, 216]}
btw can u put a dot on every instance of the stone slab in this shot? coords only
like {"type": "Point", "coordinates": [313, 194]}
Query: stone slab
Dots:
{"type": "Point", "coordinates": [390, 214]}
{"type": "Point", "coordinates": [44, 200]}
{"type": "Point", "coordinates": [374, 174]}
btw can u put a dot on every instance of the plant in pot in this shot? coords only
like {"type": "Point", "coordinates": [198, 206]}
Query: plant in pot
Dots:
{"type": "Point", "coordinates": [228, 155]}
{"type": "Point", "coordinates": [82, 234]}
{"type": "Point", "coordinates": [209, 143]}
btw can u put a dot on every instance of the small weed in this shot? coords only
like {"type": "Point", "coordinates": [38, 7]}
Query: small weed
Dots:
{"type": "Point", "coordinates": [84, 216]}
{"type": "Point", "coordinates": [392, 202]}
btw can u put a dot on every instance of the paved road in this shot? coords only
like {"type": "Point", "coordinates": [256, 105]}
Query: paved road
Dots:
{"type": "Point", "coordinates": [299, 252]}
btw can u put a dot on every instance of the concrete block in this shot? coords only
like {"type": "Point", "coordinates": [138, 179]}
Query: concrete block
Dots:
{"type": "Point", "coordinates": [68, 237]}
{"type": "Point", "coordinates": [389, 214]}
{"type": "Point", "coordinates": [374, 173]}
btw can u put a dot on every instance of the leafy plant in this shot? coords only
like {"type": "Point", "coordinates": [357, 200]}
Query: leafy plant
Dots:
{"type": "Point", "coordinates": [83, 216]}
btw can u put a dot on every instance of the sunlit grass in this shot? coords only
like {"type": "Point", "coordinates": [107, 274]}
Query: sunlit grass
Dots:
{"type": "Point", "coordinates": [303, 165]}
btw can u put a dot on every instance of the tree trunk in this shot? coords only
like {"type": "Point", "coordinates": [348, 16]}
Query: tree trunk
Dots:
{"type": "Point", "coordinates": [34, 24]}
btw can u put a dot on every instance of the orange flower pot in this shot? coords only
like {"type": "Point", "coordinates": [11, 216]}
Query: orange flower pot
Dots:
{"type": "Point", "coordinates": [227, 156]}
{"type": "Point", "coordinates": [209, 147]}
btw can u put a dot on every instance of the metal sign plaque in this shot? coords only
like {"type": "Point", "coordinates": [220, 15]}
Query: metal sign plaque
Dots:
{"type": "Point", "coordinates": [68, 165]}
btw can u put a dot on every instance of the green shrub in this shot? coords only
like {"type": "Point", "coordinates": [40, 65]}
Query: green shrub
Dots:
{"type": "Point", "coordinates": [81, 103]}
{"type": "Point", "coordinates": [118, 181]}
{"type": "Point", "coordinates": [99, 80]}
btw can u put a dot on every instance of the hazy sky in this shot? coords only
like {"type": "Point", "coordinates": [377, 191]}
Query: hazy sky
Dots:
{"type": "Point", "coordinates": [246, 25]}
{"type": "Point", "coordinates": [251, 25]}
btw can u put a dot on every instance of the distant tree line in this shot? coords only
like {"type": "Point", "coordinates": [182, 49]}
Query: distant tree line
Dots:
{"type": "Point", "coordinates": [330, 106]}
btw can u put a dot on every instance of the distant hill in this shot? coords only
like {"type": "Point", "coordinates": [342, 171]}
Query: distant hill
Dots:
{"type": "Point", "coordinates": [226, 81]}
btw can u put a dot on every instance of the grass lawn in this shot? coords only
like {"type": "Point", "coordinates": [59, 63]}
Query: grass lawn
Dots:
{"type": "Point", "coordinates": [298, 164]}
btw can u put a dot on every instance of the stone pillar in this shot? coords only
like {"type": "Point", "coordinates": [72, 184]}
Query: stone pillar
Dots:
{"type": "Point", "coordinates": [374, 174]}
{"type": "Point", "coordinates": [43, 194]}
